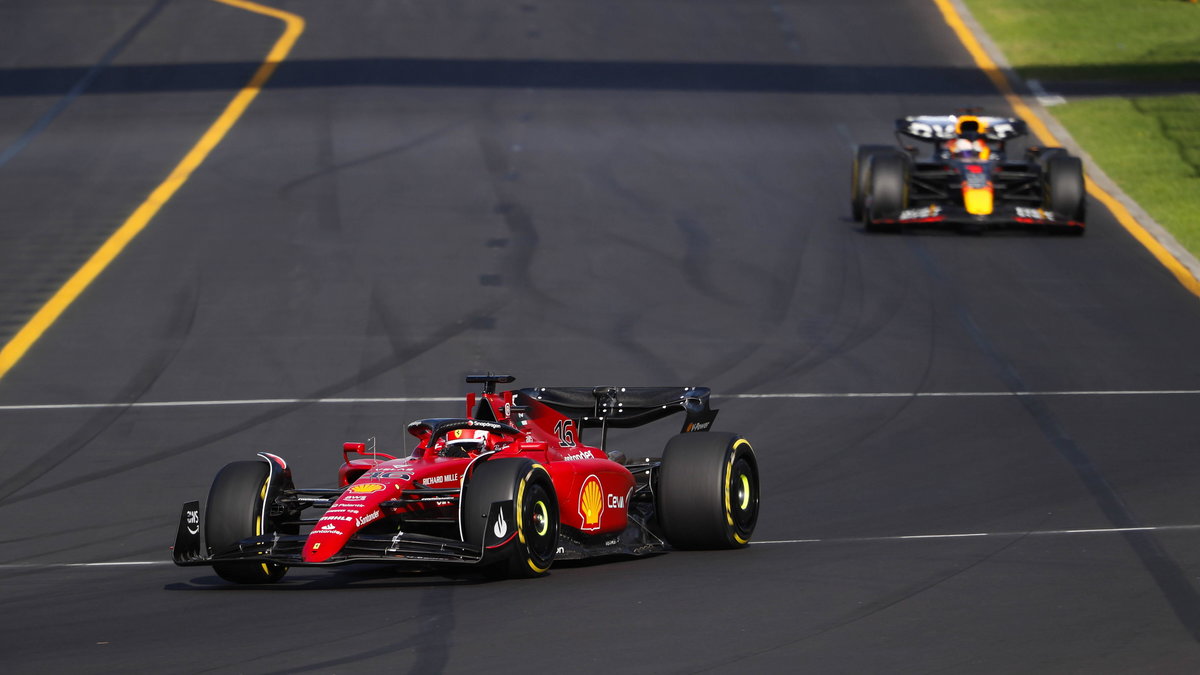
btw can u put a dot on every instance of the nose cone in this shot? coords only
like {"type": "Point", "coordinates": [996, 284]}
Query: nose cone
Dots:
{"type": "Point", "coordinates": [325, 541]}
{"type": "Point", "coordinates": [978, 201]}
{"type": "Point", "coordinates": [356, 508]}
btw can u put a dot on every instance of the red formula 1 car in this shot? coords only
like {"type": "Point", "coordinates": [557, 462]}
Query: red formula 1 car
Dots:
{"type": "Point", "coordinates": [511, 487]}
{"type": "Point", "coordinates": [967, 178]}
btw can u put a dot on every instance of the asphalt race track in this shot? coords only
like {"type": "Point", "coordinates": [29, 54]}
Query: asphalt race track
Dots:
{"type": "Point", "coordinates": [979, 452]}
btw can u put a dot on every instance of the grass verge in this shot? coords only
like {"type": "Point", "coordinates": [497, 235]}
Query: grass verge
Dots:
{"type": "Point", "coordinates": [1149, 145]}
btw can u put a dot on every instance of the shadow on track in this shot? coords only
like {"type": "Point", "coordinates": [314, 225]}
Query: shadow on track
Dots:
{"type": "Point", "coordinates": [511, 74]}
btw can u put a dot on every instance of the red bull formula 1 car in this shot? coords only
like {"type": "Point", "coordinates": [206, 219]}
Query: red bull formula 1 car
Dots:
{"type": "Point", "coordinates": [966, 178]}
{"type": "Point", "coordinates": [510, 487]}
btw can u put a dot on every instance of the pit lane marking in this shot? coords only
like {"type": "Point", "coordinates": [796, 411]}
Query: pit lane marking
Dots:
{"type": "Point", "coordinates": [829, 540]}
{"type": "Point", "coordinates": [454, 399]}
{"type": "Point", "coordinates": [1044, 97]}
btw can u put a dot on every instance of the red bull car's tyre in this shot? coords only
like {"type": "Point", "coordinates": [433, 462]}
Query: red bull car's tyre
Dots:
{"type": "Point", "coordinates": [1044, 155]}
{"type": "Point", "coordinates": [235, 512]}
{"type": "Point", "coordinates": [707, 491]}
{"type": "Point", "coordinates": [859, 175]}
{"type": "Point", "coordinates": [1066, 193]}
{"type": "Point", "coordinates": [524, 541]}
{"type": "Point", "coordinates": [887, 189]}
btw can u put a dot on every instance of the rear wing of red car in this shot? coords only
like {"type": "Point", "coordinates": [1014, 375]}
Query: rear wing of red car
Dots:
{"type": "Point", "coordinates": [627, 407]}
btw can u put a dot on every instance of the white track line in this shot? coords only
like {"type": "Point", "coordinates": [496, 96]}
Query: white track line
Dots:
{"type": "Point", "coordinates": [234, 402]}
{"type": "Point", "coordinates": [133, 563]}
{"type": "Point", "coordinates": [968, 535]}
{"type": "Point", "coordinates": [973, 394]}
{"type": "Point", "coordinates": [452, 399]}
{"type": "Point", "coordinates": [834, 540]}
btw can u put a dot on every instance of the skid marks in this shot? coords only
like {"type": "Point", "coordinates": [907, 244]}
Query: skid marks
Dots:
{"type": "Point", "coordinates": [403, 352]}
{"type": "Point", "coordinates": [823, 305]}
{"type": "Point", "coordinates": [178, 327]}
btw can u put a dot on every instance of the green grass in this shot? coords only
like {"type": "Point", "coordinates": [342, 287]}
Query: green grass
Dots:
{"type": "Point", "coordinates": [1095, 39]}
{"type": "Point", "coordinates": [1151, 148]}
{"type": "Point", "coordinates": [1149, 145]}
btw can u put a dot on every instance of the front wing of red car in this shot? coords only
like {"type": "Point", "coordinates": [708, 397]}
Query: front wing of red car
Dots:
{"type": "Point", "coordinates": [285, 549]}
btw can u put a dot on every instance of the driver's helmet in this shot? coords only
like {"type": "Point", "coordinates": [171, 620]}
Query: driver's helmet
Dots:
{"type": "Point", "coordinates": [465, 443]}
{"type": "Point", "coordinates": [969, 139]}
{"type": "Point", "coordinates": [970, 128]}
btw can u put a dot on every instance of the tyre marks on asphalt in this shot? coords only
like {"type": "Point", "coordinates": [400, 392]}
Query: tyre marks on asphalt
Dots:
{"type": "Point", "coordinates": [903, 594]}
{"type": "Point", "coordinates": [403, 351]}
{"type": "Point", "coordinates": [36, 261]}
{"type": "Point", "coordinates": [40, 259]}
{"type": "Point", "coordinates": [176, 331]}
{"type": "Point", "coordinates": [45, 317]}
{"type": "Point", "coordinates": [329, 168]}
{"type": "Point", "coordinates": [502, 139]}
{"type": "Point", "coordinates": [1167, 574]}
{"type": "Point", "coordinates": [698, 259]}
{"type": "Point", "coordinates": [81, 85]}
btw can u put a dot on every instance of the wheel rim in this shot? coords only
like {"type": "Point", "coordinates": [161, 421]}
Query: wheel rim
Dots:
{"type": "Point", "coordinates": [742, 492]}
{"type": "Point", "coordinates": [540, 518]}
{"type": "Point", "coordinates": [539, 524]}
{"type": "Point", "coordinates": [743, 498]}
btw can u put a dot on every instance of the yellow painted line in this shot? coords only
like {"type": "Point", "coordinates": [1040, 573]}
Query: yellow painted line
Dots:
{"type": "Point", "coordinates": [1123, 216]}
{"type": "Point", "coordinates": [108, 251]}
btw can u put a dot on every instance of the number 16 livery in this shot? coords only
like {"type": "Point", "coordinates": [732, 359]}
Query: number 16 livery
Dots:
{"type": "Point", "coordinates": [509, 487]}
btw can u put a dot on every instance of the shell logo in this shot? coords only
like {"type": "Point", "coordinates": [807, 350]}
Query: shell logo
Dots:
{"type": "Point", "coordinates": [367, 487]}
{"type": "Point", "coordinates": [591, 503]}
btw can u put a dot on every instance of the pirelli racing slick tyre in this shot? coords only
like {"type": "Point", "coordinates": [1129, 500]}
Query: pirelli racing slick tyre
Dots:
{"type": "Point", "coordinates": [1043, 155]}
{"type": "Point", "coordinates": [707, 493]}
{"type": "Point", "coordinates": [235, 512]}
{"type": "Point", "coordinates": [887, 190]}
{"type": "Point", "coordinates": [859, 176]}
{"type": "Point", "coordinates": [1065, 192]}
{"type": "Point", "coordinates": [524, 541]}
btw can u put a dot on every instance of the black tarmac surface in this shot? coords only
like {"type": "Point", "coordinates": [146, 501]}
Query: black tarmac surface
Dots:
{"type": "Point", "coordinates": [577, 193]}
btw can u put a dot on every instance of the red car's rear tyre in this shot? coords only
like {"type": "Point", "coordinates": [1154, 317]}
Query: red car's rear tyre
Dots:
{"type": "Point", "coordinates": [235, 512]}
{"type": "Point", "coordinates": [707, 493]}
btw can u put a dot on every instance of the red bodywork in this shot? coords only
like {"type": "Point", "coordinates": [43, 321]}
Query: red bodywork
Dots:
{"type": "Point", "coordinates": [593, 491]}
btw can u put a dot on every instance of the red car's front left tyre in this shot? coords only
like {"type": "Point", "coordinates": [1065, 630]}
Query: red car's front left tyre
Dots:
{"type": "Point", "coordinates": [235, 512]}
{"type": "Point", "coordinates": [524, 543]}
